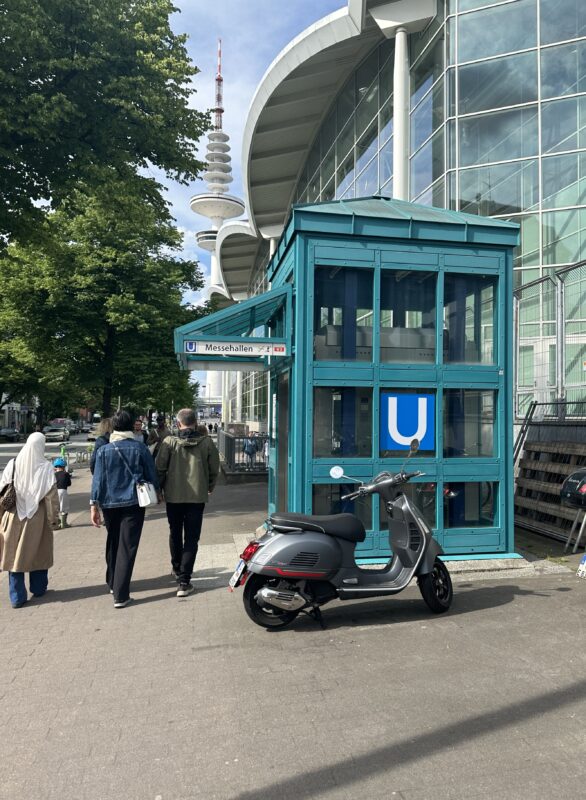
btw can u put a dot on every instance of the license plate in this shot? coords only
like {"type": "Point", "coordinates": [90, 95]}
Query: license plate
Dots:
{"type": "Point", "coordinates": [235, 579]}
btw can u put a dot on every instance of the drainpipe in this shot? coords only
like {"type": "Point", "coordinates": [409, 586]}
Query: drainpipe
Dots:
{"type": "Point", "coordinates": [401, 116]}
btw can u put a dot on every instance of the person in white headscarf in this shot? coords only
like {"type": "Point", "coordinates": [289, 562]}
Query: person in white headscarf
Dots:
{"type": "Point", "coordinates": [26, 532]}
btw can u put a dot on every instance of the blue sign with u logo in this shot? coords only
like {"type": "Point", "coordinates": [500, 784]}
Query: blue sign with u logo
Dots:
{"type": "Point", "coordinates": [404, 417]}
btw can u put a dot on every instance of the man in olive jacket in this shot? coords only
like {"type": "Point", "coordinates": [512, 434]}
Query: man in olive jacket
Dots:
{"type": "Point", "coordinates": [187, 467]}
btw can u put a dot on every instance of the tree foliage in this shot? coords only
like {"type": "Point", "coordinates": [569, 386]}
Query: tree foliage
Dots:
{"type": "Point", "coordinates": [94, 94]}
{"type": "Point", "coordinates": [86, 84]}
{"type": "Point", "coordinates": [94, 307]}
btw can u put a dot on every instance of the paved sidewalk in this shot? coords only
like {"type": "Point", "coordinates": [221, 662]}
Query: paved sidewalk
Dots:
{"type": "Point", "coordinates": [178, 699]}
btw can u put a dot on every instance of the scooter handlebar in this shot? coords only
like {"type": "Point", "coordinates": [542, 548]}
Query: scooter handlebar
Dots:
{"type": "Point", "coordinates": [400, 477]}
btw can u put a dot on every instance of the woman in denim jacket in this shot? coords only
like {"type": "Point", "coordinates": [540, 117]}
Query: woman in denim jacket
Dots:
{"type": "Point", "coordinates": [119, 466]}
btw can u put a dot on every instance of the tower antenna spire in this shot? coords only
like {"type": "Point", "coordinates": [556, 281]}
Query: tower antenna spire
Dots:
{"type": "Point", "coordinates": [219, 109]}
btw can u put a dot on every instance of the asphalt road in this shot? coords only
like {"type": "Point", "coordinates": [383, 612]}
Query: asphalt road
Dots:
{"type": "Point", "coordinates": [8, 450]}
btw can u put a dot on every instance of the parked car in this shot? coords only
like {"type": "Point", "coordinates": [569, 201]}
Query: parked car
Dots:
{"type": "Point", "coordinates": [92, 434]}
{"type": "Point", "coordinates": [56, 434]}
{"type": "Point", "coordinates": [9, 435]}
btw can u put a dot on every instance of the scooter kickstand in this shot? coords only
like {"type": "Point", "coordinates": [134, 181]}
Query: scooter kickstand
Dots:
{"type": "Point", "coordinates": [316, 614]}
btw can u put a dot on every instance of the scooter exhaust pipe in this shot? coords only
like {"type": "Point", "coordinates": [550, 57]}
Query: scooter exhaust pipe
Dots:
{"type": "Point", "coordinates": [288, 601]}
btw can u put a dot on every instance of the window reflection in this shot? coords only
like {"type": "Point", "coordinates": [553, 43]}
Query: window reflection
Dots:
{"type": "Point", "coordinates": [564, 180]}
{"type": "Point", "coordinates": [427, 70]}
{"type": "Point", "coordinates": [408, 302]}
{"type": "Point", "coordinates": [499, 189]}
{"type": "Point", "coordinates": [500, 136]}
{"type": "Point", "coordinates": [470, 505]}
{"type": "Point", "coordinates": [343, 314]}
{"type": "Point", "coordinates": [342, 422]}
{"type": "Point", "coordinates": [488, 84]}
{"type": "Point", "coordinates": [469, 419]}
{"type": "Point", "coordinates": [563, 124]}
{"type": "Point", "coordinates": [428, 116]}
{"type": "Point", "coordinates": [327, 499]}
{"type": "Point", "coordinates": [497, 30]}
{"type": "Point", "coordinates": [564, 236]}
{"type": "Point", "coordinates": [562, 19]}
{"type": "Point", "coordinates": [563, 69]}
{"type": "Point", "coordinates": [427, 164]}
{"type": "Point", "coordinates": [469, 319]}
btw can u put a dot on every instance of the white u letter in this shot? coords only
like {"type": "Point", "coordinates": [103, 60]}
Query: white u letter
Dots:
{"type": "Point", "coordinates": [421, 421]}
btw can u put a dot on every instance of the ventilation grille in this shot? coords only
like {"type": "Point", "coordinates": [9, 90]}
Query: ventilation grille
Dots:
{"type": "Point", "coordinates": [414, 537]}
{"type": "Point", "coordinates": [305, 560]}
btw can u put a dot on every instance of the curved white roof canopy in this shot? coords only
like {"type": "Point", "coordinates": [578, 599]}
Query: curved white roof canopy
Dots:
{"type": "Point", "coordinates": [288, 108]}
{"type": "Point", "coordinates": [237, 246]}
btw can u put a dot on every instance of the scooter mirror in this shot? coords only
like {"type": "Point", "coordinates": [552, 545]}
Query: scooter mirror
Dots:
{"type": "Point", "coordinates": [336, 473]}
{"type": "Point", "coordinates": [414, 446]}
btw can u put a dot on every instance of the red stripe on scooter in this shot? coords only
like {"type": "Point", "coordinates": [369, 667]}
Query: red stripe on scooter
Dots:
{"type": "Point", "coordinates": [287, 573]}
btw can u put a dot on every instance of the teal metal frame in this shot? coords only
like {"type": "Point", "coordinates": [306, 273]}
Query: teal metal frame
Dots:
{"type": "Point", "coordinates": [327, 235]}
{"type": "Point", "coordinates": [378, 234]}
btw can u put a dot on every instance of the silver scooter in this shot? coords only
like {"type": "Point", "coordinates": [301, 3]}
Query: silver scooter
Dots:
{"type": "Point", "coordinates": [302, 562]}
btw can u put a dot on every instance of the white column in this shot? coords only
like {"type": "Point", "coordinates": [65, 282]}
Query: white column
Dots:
{"type": "Point", "coordinates": [401, 116]}
{"type": "Point", "coordinates": [215, 277]}
{"type": "Point", "coordinates": [225, 398]}
{"type": "Point", "coordinates": [238, 397]}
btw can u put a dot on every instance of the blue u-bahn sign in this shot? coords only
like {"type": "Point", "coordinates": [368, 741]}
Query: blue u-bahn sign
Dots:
{"type": "Point", "coordinates": [406, 416]}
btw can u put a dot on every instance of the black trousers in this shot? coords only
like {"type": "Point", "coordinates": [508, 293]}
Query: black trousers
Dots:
{"type": "Point", "coordinates": [184, 531]}
{"type": "Point", "coordinates": [124, 526]}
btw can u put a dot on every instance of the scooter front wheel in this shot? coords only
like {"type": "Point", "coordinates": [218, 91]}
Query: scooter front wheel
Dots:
{"type": "Point", "coordinates": [436, 588]}
{"type": "Point", "coordinates": [264, 615]}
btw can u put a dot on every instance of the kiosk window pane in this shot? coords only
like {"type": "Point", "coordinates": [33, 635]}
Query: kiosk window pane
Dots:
{"type": "Point", "coordinates": [342, 422]}
{"type": "Point", "coordinates": [343, 314]}
{"type": "Point", "coordinates": [408, 313]}
{"type": "Point", "coordinates": [327, 499]}
{"type": "Point", "coordinates": [469, 423]}
{"type": "Point", "coordinates": [422, 495]}
{"type": "Point", "coordinates": [470, 505]}
{"type": "Point", "coordinates": [469, 319]}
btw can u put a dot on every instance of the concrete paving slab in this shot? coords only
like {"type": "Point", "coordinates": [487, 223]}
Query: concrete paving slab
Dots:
{"type": "Point", "coordinates": [181, 699]}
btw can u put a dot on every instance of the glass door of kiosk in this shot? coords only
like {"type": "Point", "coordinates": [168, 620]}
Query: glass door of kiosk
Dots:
{"type": "Point", "coordinates": [282, 428]}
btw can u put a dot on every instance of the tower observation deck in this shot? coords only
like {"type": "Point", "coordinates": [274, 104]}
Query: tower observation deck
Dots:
{"type": "Point", "coordinates": [216, 204]}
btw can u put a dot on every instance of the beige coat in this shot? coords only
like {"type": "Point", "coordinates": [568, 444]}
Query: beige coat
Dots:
{"type": "Point", "coordinates": [27, 545]}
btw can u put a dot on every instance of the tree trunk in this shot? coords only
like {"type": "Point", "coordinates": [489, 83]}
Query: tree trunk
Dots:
{"type": "Point", "coordinates": [108, 362]}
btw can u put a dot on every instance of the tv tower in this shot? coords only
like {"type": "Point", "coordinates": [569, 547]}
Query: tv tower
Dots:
{"type": "Point", "coordinates": [216, 204]}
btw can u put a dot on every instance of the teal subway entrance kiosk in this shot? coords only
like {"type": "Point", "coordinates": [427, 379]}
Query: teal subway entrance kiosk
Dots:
{"type": "Point", "coordinates": [385, 321]}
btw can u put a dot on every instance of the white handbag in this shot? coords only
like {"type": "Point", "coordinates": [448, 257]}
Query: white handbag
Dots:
{"type": "Point", "coordinates": [146, 493]}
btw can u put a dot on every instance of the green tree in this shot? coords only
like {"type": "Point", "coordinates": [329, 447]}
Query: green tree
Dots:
{"type": "Point", "coordinates": [93, 307]}
{"type": "Point", "coordinates": [86, 84]}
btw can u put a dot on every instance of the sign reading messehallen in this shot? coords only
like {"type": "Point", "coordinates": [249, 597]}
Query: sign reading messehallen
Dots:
{"type": "Point", "coordinates": [235, 349]}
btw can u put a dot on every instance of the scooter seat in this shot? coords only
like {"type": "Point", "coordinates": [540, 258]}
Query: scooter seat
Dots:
{"type": "Point", "coordinates": [342, 526]}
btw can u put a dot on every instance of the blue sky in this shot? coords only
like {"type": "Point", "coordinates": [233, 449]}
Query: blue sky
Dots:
{"type": "Point", "coordinates": [253, 32]}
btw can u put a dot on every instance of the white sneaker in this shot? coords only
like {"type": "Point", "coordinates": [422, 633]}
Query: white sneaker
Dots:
{"type": "Point", "coordinates": [123, 604]}
{"type": "Point", "coordinates": [185, 589]}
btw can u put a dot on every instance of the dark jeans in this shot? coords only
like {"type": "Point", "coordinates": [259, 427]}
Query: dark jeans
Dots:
{"type": "Point", "coordinates": [124, 526]}
{"type": "Point", "coordinates": [184, 531]}
{"type": "Point", "coordinates": [38, 582]}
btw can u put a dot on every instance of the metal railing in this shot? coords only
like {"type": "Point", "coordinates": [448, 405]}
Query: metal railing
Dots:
{"type": "Point", "coordinates": [244, 453]}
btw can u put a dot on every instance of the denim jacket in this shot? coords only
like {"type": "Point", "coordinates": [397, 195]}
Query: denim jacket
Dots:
{"type": "Point", "coordinates": [114, 482]}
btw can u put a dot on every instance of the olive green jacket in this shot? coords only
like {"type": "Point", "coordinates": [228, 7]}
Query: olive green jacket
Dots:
{"type": "Point", "coordinates": [187, 468]}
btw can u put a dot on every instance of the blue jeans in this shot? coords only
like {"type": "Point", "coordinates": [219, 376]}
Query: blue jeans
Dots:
{"type": "Point", "coordinates": [38, 582]}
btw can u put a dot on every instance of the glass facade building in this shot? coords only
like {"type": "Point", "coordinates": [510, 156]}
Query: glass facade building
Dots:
{"type": "Point", "coordinates": [497, 128]}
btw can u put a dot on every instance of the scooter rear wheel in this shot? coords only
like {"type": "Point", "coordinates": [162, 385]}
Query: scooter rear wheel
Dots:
{"type": "Point", "coordinates": [436, 588]}
{"type": "Point", "coordinates": [264, 615]}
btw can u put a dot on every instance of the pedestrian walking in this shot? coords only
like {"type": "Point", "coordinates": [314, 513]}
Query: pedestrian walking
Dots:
{"type": "Point", "coordinates": [120, 465]}
{"type": "Point", "coordinates": [187, 467]}
{"type": "Point", "coordinates": [210, 427]}
{"type": "Point", "coordinates": [103, 437]}
{"type": "Point", "coordinates": [250, 449]}
{"type": "Point", "coordinates": [63, 482]}
{"type": "Point", "coordinates": [139, 432]}
{"type": "Point", "coordinates": [215, 427]}
{"type": "Point", "coordinates": [26, 531]}
{"type": "Point", "coordinates": [158, 435]}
